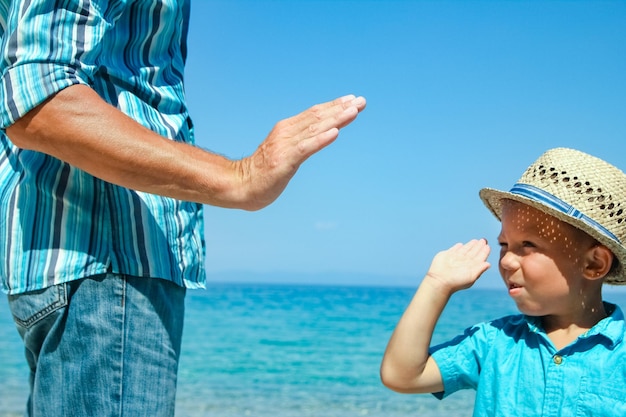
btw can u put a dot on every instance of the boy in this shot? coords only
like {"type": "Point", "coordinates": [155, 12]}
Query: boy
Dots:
{"type": "Point", "coordinates": [562, 236]}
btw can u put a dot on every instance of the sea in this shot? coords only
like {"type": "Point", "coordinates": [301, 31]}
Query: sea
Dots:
{"type": "Point", "coordinates": [280, 350]}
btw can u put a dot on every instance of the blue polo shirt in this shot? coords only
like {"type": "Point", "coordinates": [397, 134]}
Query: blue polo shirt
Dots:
{"type": "Point", "coordinates": [516, 370]}
{"type": "Point", "coordinates": [58, 223]}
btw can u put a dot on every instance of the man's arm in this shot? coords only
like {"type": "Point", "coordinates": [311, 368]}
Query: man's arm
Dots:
{"type": "Point", "coordinates": [407, 366]}
{"type": "Point", "coordinates": [78, 127]}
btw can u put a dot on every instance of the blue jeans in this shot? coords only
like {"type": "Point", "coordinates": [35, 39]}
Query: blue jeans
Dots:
{"type": "Point", "coordinates": [103, 346]}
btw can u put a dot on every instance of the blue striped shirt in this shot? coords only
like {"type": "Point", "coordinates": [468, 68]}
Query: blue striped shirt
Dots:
{"type": "Point", "coordinates": [58, 223]}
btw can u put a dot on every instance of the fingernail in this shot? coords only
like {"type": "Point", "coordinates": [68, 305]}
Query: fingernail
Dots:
{"type": "Point", "coordinates": [358, 101]}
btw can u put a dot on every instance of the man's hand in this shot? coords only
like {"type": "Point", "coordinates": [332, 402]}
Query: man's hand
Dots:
{"type": "Point", "coordinates": [266, 173]}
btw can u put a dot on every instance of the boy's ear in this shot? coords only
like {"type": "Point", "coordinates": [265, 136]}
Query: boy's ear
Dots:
{"type": "Point", "coordinates": [599, 261]}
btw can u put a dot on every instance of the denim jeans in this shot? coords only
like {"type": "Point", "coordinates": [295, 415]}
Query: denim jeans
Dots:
{"type": "Point", "coordinates": [103, 346]}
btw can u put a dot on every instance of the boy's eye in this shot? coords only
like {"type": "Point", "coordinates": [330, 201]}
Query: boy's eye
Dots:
{"type": "Point", "coordinates": [528, 244]}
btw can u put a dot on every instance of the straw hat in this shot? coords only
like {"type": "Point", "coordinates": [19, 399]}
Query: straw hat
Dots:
{"type": "Point", "coordinates": [577, 188]}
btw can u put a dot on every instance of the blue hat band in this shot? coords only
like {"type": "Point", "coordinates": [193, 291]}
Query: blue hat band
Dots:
{"type": "Point", "coordinates": [547, 199]}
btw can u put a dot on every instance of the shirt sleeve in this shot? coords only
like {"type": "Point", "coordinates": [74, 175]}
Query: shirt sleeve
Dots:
{"type": "Point", "coordinates": [459, 360]}
{"type": "Point", "coordinates": [46, 48]}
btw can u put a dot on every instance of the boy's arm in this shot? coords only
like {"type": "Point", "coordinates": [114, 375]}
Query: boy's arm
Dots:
{"type": "Point", "coordinates": [407, 366]}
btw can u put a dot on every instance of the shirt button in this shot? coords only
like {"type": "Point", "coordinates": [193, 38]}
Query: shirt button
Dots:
{"type": "Point", "coordinates": [557, 359]}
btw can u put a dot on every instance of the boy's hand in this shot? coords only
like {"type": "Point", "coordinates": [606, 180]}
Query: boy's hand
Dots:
{"type": "Point", "coordinates": [460, 266]}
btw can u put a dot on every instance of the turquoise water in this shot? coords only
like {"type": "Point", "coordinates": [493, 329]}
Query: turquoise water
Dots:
{"type": "Point", "coordinates": [281, 350]}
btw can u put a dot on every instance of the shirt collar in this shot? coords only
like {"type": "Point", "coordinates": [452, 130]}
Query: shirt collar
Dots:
{"type": "Point", "coordinates": [612, 327]}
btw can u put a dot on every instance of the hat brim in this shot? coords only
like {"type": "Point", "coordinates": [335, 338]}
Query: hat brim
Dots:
{"type": "Point", "coordinates": [493, 201]}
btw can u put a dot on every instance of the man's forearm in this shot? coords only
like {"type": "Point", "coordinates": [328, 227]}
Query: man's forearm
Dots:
{"type": "Point", "coordinates": [78, 127]}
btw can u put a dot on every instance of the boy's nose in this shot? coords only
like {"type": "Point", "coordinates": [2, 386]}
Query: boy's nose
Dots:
{"type": "Point", "coordinates": [508, 261]}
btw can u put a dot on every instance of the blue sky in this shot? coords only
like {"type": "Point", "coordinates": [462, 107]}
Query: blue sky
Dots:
{"type": "Point", "coordinates": [461, 95]}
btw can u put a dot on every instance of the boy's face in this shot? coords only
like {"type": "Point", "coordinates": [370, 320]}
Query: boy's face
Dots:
{"type": "Point", "coordinates": [542, 260]}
